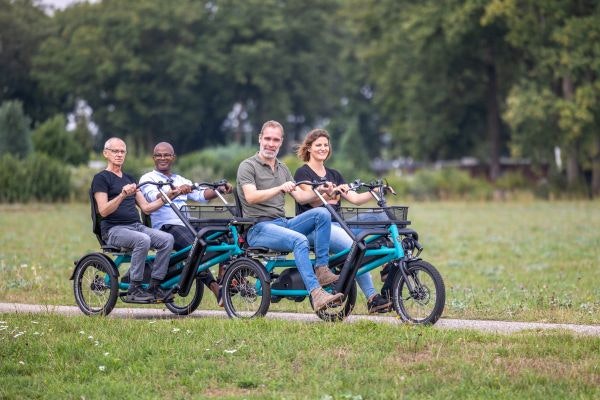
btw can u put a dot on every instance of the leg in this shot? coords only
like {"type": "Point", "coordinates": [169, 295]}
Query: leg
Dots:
{"type": "Point", "coordinates": [277, 237]}
{"type": "Point", "coordinates": [341, 241]}
{"type": "Point", "coordinates": [375, 302]}
{"type": "Point", "coordinates": [163, 243]}
{"type": "Point", "coordinates": [183, 238]}
{"type": "Point", "coordinates": [317, 220]}
{"type": "Point", "coordinates": [139, 242]}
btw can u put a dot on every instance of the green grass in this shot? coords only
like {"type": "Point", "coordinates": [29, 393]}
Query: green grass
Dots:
{"type": "Point", "coordinates": [48, 356]}
{"type": "Point", "coordinates": [526, 261]}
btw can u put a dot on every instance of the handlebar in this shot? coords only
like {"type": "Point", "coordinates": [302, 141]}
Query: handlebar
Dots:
{"type": "Point", "coordinates": [157, 184]}
{"type": "Point", "coordinates": [217, 185]}
{"type": "Point", "coordinates": [371, 186]}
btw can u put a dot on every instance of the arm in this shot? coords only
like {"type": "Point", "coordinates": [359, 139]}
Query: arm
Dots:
{"type": "Point", "coordinates": [353, 197]}
{"type": "Point", "coordinates": [145, 206]}
{"type": "Point", "coordinates": [256, 196]}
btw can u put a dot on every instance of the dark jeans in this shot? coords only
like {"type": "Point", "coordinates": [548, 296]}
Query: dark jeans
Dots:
{"type": "Point", "coordinates": [183, 238]}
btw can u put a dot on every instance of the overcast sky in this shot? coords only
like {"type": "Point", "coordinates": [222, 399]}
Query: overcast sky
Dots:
{"type": "Point", "coordinates": [60, 4]}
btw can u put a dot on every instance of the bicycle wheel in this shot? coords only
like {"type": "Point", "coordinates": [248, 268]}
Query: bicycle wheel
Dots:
{"type": "Point", "coordinates": [333, 314]}
{"type": "Point", "coordinates": [188, 304]}
{"type": "Point", "coordinates": [246, 289]}
{"type": "Point", "coordinates": [425, 304]}
{"type": "Point", "coordinates": [95, 285]}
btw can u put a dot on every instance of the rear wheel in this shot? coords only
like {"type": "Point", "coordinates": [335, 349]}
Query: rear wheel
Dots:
{"type": "Point", "coordinates": [246, 289]}
{"type": "Point", "coordinates": [425, 304]}
{"type": "Point", "coordinates": [188, 304]}
{"type": "Point", "coordinates": [95, 285]}
{"type": "Point", "coordinates": [333, 314]}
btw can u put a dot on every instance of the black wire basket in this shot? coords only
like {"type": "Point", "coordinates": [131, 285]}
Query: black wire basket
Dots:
{"type": "Point", "coordinates": [203, 214]}
{"type": "Point", "coordinates": [364, 217]}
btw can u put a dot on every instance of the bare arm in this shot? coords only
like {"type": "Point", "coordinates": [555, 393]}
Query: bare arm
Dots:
{"type": "Point", "coordinates": [148, 208]}
{"type": "Point", "coordinates": [256, 196]}
{"type": "Point", "coordinates": [356, 198]}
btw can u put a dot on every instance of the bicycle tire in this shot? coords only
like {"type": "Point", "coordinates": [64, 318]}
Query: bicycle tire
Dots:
{"type": "Point", "coordinates": [95, 284]}
{"type": "Point", "coordinates": [188, 304]}
{"type": "Point", "coordinates": [426, 304]}
{"type": "Point", "coordinates": [246, 289]}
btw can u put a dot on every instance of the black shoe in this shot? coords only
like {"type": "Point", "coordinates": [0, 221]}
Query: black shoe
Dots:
{"type": "Point", "coordinates": [137, 294]}
{"type": "Point", "coordinates": [379, 304]}
{"type": "Point", "coordinates": [161, 295]}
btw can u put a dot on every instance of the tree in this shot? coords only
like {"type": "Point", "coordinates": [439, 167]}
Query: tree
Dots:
{"type": "Point", "coordinates": [52, 139]}
{"type": "Point", "coordinates": [556, 102]}
{"type": "Point", "coordinates": [154, 70]}
{"type": "Point", "coordinates": [15, 135]}
{"type": "Point", "coordinates": [438, 74]}
{"type": "Point", "coordinates": [22, 28]}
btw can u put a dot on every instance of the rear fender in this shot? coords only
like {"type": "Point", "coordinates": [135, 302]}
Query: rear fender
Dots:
{"type": "Point", "coordinates": [80, 260]}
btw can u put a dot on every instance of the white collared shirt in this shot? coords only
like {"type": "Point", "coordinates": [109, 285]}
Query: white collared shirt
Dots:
{"type": "Point", "coordinates": [165, 214]}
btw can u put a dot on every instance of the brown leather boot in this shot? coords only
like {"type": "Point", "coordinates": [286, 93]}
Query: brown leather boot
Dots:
{"type": "Point", "coordinates": [325, 276]}
{"type": "Point", "coordinates": [321, 299]}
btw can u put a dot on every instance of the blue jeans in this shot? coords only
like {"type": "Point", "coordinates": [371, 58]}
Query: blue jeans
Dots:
{"type": "Point", "coordinates": [340, 241]}
{"type": "Point", "coordinates": [140, 239]}
{"type": "Point", "coordinates": [284, 234]}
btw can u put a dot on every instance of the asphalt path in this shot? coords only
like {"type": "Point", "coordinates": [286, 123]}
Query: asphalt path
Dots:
{"type": "Point", "coordinates": [158, 312]}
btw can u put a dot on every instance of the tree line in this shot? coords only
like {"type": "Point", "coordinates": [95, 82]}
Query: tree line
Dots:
{"type": "Point", "coordinates": [428, 80]}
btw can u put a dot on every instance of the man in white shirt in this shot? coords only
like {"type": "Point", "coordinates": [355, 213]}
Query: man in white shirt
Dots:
{"type": "Point", "coordinates": [164, 218]}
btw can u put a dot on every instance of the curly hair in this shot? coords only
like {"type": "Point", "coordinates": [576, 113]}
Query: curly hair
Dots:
{"type": "Point", "coordinates": [302, 151]}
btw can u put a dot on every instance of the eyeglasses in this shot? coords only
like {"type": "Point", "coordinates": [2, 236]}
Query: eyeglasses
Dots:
{"type": "Point", "coordinates": [163, 155]}
{"type": "Point", "coordinates": [117, 151]}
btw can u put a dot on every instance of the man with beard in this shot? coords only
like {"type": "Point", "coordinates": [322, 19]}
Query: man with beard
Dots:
{"type": "Point", "coordinates": [262, 182]}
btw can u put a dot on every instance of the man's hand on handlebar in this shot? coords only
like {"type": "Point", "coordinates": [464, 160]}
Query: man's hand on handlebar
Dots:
{"type": "Point", "coordinates": [129, 190]}
{"type": "Point", "coordinates": [226, 188]}
{"type": "Point", "coordinates": [287, 187]}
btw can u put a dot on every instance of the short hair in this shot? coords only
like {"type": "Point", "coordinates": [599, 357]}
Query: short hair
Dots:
{"type": "Point", "coordinates": [309, 139]}
{"type": "Point", "coordinates": [271, 124]}
{"type": "Point", "coordinates": [113, 139]}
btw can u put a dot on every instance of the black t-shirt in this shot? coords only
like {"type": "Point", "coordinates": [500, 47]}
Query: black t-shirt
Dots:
{"type": "Point", "coordinates": [305, 173]}
{"type": "Point", "coordinates": [111, 184]}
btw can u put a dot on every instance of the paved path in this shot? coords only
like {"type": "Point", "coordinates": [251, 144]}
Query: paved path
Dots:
{"type": "Point", "coordinates": [444, 323]}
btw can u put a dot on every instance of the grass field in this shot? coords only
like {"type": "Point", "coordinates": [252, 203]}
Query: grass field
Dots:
{"type": "Point", "coordinates": [527, 261]}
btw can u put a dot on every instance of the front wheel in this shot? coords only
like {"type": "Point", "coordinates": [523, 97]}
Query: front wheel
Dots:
{"type": "Point", "coordinates": [188, 304]}
{"type": "Point", "coordinates": [95, 285]}
{"type": "Point", "coordinates": [425, 303]}
{"type": "Point", "coordinates": [246, 289]}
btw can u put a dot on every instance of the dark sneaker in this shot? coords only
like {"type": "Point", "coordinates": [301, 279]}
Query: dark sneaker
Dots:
{"type": "Point", "coordinates": [161, 295]}
{"type": "Point", "coordinates": [379, 304]}
{"type": "Point", "coordinates": [137, 294]}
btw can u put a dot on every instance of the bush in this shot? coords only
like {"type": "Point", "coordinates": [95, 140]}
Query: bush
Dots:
{"type": "Point", "coordinates": [52, 138]}
{"type": "Point", "coordinates": [15, 136]}
{"type": "Point", "coordinates": [446, 184]}
{"type": "Point", "coordinates": [213, 163]}
{"type": "Point", "coordinates": [38, 177]}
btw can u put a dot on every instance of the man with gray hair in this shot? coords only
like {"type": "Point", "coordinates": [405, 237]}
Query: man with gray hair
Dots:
{"type": "Point", "coordinates": [116, 195]}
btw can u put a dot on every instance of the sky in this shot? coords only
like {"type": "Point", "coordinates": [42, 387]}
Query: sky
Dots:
{"type": "Point", "coordinates": [61, 4]}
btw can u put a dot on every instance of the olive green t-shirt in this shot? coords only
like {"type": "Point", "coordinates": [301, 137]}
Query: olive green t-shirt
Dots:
{"type": "Point", "coordinates": [258, 173]}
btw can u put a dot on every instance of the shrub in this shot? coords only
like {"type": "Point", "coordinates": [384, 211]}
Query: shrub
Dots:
{"type": "Point", "coordinates": [52, 138]}
{"type": "Point", "coordinates": [15, 136]}
{"type": "Point", "coordinates": [38, 177]}
{"type": "Point", "coordinates": [213, 163]}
